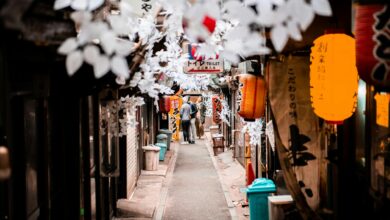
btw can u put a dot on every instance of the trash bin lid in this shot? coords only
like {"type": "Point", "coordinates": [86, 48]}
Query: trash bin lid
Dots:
{"type": "Point", "coordinates": [261, 185]}
{"type": "Point", "coordinates": [161, 145]}
{"type": "Point", "coordinates": [162, 136]}
{"type": "Point", "coordinates": [151, 147]}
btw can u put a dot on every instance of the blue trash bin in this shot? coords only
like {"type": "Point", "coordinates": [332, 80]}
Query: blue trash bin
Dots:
{"type": "Point", "coordinates": [169, 134]}
{"type": "Point", "coordinates": [163, 149]}
{"type": "Point", "coordinates": [257, 194]}
{"type": "Point", "coordinates": [162, 138]}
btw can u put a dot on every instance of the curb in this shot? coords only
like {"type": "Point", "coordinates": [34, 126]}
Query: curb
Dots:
{"type": "Point", "coordinates": [159, 213]}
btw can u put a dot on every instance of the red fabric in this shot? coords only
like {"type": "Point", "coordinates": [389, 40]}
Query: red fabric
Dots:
{"type": "Point", "coordinates": [366, 43]}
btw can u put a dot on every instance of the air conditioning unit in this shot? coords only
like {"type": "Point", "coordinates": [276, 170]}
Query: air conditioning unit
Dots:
{"type": "Point", "coordinates": [249, 66]}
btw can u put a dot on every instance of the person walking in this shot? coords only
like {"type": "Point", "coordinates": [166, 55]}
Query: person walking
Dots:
{"type": "Point", "coordinates": [193, 112]}
{"type": "Point", "coordinates": [200, 120]}
{"type": "Point", "coordinates": [185, 119]}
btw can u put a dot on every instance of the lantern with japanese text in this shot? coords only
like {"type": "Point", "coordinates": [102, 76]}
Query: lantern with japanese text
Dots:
{"type": "Point", "coordinates": [251, 97]}
{"type": "Point", "coordinates": [333, 77]}
{"type": "Point", "coordinates": [373, 44]}
{"type": "Point", "coordinates": [217, 107]}
{"type": "Point", "coordinates": [164, 104]}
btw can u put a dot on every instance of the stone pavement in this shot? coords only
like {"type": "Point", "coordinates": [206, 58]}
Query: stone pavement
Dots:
{"type": "Point", "coordinates": [190, 184]}
{"type": "Point", "coordinates": [232, 178]}
{"type": "Point", "coordinates": [195, 190]}
{"type": "Point", "coordinates": [147, 194]}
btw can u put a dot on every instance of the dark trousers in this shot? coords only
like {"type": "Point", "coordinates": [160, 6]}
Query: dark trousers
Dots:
{"type": "Point", "coordinates": [185, 124]}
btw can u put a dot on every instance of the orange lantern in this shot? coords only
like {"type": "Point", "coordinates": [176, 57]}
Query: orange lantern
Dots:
{"type": "Point", "coordinates": [382, 109]}
{"type": "Point", "coordinates": [333, 77]}
{"type": "Point", "coordinates": [217, 107]}
{"type": "Point", "coordinates": [164, 104]}
{"type": "Point", "coordinates": [251, 96]}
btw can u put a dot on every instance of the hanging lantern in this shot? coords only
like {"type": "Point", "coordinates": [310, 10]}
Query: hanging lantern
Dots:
{"type": "Point", "coordinates": [372, 44]}
{"type": "Point", "coordinates": [251, 96]}
{"type": "Point", "coordinates": [164, 104]}
{"type": "Point", "coordinates": [382, 109]}
{"type": "Point", "coordinates": [217, 107]}
{"type": "Point", "coordinates": [333, 77]}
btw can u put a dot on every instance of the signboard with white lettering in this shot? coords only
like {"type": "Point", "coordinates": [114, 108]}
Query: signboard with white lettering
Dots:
{"type": "Point", "coordinates": [203, 66]}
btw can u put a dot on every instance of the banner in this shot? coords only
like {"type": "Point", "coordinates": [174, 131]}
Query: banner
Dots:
{"type": "Point", "coordinates": [174, 117]}
{"type": "Point", "coordinates": [289, 95]}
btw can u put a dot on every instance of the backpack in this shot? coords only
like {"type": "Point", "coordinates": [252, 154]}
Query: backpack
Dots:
{"type": "Point", "coordinates": [193, 110]}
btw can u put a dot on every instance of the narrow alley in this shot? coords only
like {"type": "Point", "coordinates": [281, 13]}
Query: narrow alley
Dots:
{"type": "Point", "coordinates": [195, 191]}
{"type": "Point", "coordinates": [194, 109]}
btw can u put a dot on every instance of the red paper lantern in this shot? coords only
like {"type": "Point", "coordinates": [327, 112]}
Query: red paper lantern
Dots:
{"type": "Point", "coordinates": [251, 96]}
{"type": "Point", "coordinates": [373, 44]}
{"type": "Point", "coordinates": [164, 104]}
{"type": "Point", "coordinates": [217, 107]}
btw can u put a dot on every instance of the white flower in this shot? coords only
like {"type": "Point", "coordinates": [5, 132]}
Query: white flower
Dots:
{"type": "Point", "coordinates": [80, 5]}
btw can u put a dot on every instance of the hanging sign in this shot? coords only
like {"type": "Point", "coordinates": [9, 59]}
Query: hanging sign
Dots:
{"type": "Point", "coordinates": [217, 107]}
{"type": "Point", "coordinates": [382, 109]}
{"type": "Point", "coordinates": [174, 116]}
{"type": "Point", "coordinates": [198, 65]}
{"type": "Point", "coordinates": [203, 66]}
{"type": "Point", "coordinates": [373, 44]}
{"type": "Point", "coordinates": [298, 126]}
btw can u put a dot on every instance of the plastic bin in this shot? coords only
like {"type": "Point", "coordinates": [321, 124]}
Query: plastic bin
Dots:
{"type": "Point", "coordinates": [163, 150]}
{"type": "Point", "coordinates": [258, 193]}
{"type": "Point", "coordinates": [169, 134]}
{"type": "Point", "coordinates": [162, 138]}
{"type": "Point", "coordinates": [151, 157]}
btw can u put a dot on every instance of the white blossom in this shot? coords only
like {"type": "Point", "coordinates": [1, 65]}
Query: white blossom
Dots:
{"type": "Point", "coordinates": [254, 129]}
{"type": "Point", "coordinates": [225, 112]}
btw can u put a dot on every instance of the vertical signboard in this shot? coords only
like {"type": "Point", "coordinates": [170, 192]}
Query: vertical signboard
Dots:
{"type": "Point", "coordinates": [298, 126]}
{"type": "Point", "coordinates": [174, 117]}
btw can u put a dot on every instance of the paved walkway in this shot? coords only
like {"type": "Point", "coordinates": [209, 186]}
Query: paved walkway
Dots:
{"type": "Point", "coordinates": [195, 191]}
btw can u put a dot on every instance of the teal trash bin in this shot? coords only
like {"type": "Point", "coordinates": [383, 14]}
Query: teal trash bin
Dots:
{"type": "Point", "coordinates": [257, 194]}
{"type": "Point", "coordinates": [169, 134]}
{"type": "Point", "coordinates": [162, 138]}
{"type": "Point", "coordinates": [163, 149]}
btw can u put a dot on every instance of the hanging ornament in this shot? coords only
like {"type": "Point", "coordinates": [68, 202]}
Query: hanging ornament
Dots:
{"type": "Point", "coordinates": [333, 77]}
{"type": "Point", "coordinates": [251, 97]}
{"type": "Point", "coordinates": [372, 44]}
